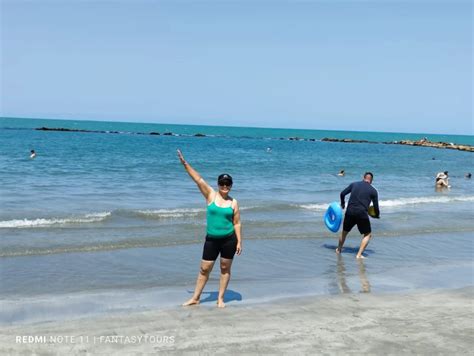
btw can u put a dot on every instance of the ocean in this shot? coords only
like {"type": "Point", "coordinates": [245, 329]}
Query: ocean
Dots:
{"type": "Point", "coordinates": [113, 213]}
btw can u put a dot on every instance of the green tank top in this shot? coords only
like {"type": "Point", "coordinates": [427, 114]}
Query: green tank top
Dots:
{"type": "Point", "coordinates": [220, 221]}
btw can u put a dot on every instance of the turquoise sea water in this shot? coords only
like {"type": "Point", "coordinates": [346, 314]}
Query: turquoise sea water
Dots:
{"type": "Point", "coordinates": [123, 199]}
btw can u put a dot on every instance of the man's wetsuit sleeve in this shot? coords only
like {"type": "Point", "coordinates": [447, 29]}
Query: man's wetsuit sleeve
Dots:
{"type": "Point", "coordinates": [344, 193]}
{"type": "Point", "coordinates": [375, 199]}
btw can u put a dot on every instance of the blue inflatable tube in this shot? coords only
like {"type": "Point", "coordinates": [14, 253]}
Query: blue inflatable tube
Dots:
{"type": "Point", "coordinates": [333, 217]}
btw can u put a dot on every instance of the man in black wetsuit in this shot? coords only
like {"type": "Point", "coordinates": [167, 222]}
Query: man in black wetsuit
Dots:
{"type": "Point", "coordinates": [362, 193]}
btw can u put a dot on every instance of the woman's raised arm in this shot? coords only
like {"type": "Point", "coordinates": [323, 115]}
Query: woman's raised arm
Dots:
{"type": "Point", "coordinates": [205, 188]}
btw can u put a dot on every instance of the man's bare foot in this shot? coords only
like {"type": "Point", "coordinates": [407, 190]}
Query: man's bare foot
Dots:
{"type": "Point", "coordinates": [191, 301]}
{"type": "Point", "coordinates": [338, 251]}
{"type": "Point", "coordinates": [220, 303]}
{"type": "Point", "coordinates": [360, 256]}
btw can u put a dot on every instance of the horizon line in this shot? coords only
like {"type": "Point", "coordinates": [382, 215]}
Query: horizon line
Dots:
{"type": "Point", "coordinates": [229, 126]}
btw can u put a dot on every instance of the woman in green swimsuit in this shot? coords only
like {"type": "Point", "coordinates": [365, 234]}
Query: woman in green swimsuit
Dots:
{"type": "Point", "coordinates": [224, 232]}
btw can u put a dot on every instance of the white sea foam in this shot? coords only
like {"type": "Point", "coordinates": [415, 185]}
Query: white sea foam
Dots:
{"type": "Point", "coordinates": [424, 200]}
{"type": "Point", "coordinates": [315, 207]}
{"type": "Point", "coordinates": [401, 202]}
{"type": "Point", "coordinates": [170, 213]}
{"type": "Point", "coordinates": [42, 222]}
{"type": "Point", "coordinates": [193, 212]}
{"type": "Point", "coordinates": [177, 213]}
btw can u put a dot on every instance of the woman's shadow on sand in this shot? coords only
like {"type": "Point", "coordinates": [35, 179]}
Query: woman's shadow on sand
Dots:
{"type": "Point", "coordinates": [229, 296]}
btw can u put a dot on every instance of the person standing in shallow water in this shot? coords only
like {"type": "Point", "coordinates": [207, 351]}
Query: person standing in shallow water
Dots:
{"type": "Point", "coordinates": [362, 193]}
{"type": "Point", "coordinates": [442, 181]}
{"type": "Point", "coordinates": [224, 232]}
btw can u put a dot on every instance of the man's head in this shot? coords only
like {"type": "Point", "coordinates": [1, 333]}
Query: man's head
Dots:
{"type": "Point", "coordinates": [368, 177]}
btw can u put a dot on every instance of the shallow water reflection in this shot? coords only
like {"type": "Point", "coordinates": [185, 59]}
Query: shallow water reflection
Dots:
{"type": "Point", "coordinates": [342, 276]}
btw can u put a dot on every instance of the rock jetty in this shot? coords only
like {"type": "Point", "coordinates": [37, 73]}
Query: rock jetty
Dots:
{"type": "Point", "coordinates": [427, 143]}
{"type": "Point", "coordinates": [423, 142]}
{"type": "Point", "coordinates": [346, 140]}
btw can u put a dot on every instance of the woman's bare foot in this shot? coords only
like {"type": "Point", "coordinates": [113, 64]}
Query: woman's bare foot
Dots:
{"type": "Point", "coordinates": [191, 301]}
{"type": "Point", "coordinates": [338, 251]}
{"type": "Point", "coordinates": [220, 303]}
{"type": "Point", "coordinates": [360, 256]}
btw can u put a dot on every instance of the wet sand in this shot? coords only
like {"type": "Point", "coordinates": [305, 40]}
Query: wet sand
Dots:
{"type": "Point", "coordinates": [429, 322]}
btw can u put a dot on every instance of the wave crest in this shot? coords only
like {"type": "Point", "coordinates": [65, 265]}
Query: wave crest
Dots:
{"type": "Point", "coordinates": [423, 200]}
{"type": "Point", "coordinates": [399, 202]}
{"type": "Point", "coordinates": [42, 222]}
{"type": "Point", "coordinates": [169, 213]}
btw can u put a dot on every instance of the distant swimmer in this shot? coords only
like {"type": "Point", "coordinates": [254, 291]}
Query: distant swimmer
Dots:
{"type": "Point", "coordinates": [362, 193]}
{"type": "Point", "coordinates": [32, 154]}
{"type": "Point", "coordinates": [442, 180]}
{"type": "Point", "coordinates": [269, 149]}
{"type": "Point", "coordinates": [224, 231]}
{"type": "Point", "coordinates": [342, 173]}
{"type": "Point", "coordinates": [468, 175]}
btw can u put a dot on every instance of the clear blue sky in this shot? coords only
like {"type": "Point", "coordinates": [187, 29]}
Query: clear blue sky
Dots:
{"type": "Point", "coordinates": [353, 65]}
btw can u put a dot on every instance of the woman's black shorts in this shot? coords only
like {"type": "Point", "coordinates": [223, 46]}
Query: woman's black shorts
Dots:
{"type": "Point", "coordinates": [362, 222]}
{"type": "Point", "coordinates": [226, 246]}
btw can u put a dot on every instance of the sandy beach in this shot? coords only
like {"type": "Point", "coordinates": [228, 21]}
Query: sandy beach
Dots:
{"type": "Point", "coordinates": [434, 322]}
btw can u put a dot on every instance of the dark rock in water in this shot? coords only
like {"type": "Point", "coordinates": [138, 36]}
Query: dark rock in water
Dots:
{"type": "Point", "coordinates": [328, 139]}
{"type": "Point", "coordinates": [48, 129]}
{"type": "Point", "coordinates": [199, 135]}
{"type": "Point", "coordinates": [168, 134]}
{"type": "Point", "coordinates": [154, 133]}
{"type": "Point", "coordinates": [64, 130]}
{"type": "Point", "coordinates": [346, 140]}
{"type": "Point", "coordinates": [422, 142]}
{"type": "Point", "coordinates": [312, 139]}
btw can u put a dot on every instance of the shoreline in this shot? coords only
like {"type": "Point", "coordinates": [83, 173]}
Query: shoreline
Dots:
{"type": "Point", "coordinates": [422, 322]}
{"type": "Point", "coordinates": [392, 266]}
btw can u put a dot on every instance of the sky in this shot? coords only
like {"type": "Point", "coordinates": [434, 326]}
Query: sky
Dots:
{"type": "Point", "coordinates": [396, 66]}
